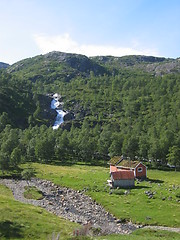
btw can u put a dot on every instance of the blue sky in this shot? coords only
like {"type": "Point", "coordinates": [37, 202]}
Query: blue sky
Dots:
{"type": "Point", "coordinates": [90, 27]}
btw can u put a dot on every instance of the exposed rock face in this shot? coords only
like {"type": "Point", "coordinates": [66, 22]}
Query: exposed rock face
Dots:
{"type": "Point", "coordinates": [155, 65]}
{"type": "Point", "coordinates": [76, 61]}
{"type": "Point", "coordinates": [68, 124]}
{"type": "Point", "coordinates": [70, 204]}
{"type": "Point", "coordinates": [46, 112]}
{"type": "Point", "coordinates": [128, 60]}
{"type": "Point", "coordinates": [69, 116]}
{"type": "Point", "coordinates": [72, 65]}
{"type": "Point", "coordinates": [165, 68]}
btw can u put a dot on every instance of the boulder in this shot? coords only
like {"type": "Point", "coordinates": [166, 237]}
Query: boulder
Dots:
{"type": "Point", "coordinates": [69, 116]}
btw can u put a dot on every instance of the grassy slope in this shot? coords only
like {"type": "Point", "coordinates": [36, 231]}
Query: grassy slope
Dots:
{"type": "Point", "coordinates": [143, 234]}
{"type": "Point", "coordinates": [136, 205]}
{"type": "Point", "coordinates": [22, 221]}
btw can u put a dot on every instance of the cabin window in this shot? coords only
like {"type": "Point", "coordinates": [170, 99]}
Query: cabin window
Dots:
{"type": "Point", "coordinates": [140, 169]}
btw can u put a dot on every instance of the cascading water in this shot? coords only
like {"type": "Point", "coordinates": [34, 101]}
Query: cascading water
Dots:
{"type": "Point", "coordinates": [55, 104]}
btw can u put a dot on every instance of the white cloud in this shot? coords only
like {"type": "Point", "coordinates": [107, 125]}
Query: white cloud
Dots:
{"type": "Point", "coordinates": [65, 43]}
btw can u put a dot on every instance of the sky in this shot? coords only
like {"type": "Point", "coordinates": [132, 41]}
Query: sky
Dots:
{"type": "Point", "coordinates": [90, 27]}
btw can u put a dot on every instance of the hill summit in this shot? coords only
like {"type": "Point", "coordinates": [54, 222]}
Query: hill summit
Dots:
{"type": "Point", "coordinates": [68, 65]}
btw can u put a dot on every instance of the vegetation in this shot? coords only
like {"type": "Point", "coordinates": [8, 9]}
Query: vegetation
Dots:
{"type": "Point", "coordinates": [28, 173]}
{"type": "Point", "coordinates": [33, 193]}
{"type": "Point", "coordinates": [22, 221]}
{"type": "Point", "coordinates": [128, 105]}
{"type": "Point", "coordinates": [118, 110]}
{"type": "Point", "coordinates": [144, 234]}
{"type": "Point", "coordinates": [134, 204]}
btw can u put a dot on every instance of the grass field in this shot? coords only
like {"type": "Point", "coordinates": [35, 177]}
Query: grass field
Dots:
{"type": "Point", "coordinates": [23, 221]}
{"type": "Point", "coordinates": [162, 209]}
{"type": "Point", "coordinates": [143, 234]}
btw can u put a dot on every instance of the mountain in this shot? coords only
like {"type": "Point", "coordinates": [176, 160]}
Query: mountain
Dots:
{"type": "Point", "coordinates": [80, 79]}
{"type": "Point", "coordinates": [154, 65]}
{"type": "Point", "coordinates": [126, 61]}
{"type": "Point", "coordinates": [4, 65]}
{"type": "Point", "coordinates": [57, 65]}
{"type": "Point", "coordinates": [128, 105]}
{"type": "Point", "coordinates": [66, 66]}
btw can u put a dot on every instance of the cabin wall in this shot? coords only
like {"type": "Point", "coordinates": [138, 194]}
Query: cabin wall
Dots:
{"type": "Point", "coordinates": [140, 174]}
{"type": "Point", "coordinates": [123, 183]}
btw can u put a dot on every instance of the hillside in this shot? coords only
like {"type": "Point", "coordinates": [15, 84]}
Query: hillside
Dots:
{"type": "Point", "coordinates": [56, 65]}
{"type": "Point", "coordinates": [128, 105]}
{"type": "Point", "coordinates": [155, 65]}
{"type": "Point", "coordinates": [3, 65]}
{"type": "Point", "coordinates": [67, 65]}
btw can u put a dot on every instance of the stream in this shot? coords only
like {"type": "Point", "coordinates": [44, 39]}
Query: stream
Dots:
{"type": "Point", "coordinates": [55, 104]}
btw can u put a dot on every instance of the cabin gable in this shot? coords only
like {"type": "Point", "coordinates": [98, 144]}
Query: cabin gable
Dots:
{"type": "Point", "coordinates": [140, 171]}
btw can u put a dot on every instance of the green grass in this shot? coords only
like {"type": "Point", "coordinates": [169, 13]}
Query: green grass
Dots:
{"type": "Point", "coordinates": [144, 234]}
{"type": "Point", "coordinates": [32, 192]}
{"type": "Point", "coordinates": [23, 221]}
{"type": "Point", "coordinates": [135, 206]}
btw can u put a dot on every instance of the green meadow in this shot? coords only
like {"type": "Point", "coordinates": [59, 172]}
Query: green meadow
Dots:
{"type": "Point", "coordinates": [23, 221]}
{"type": "Point", "coordinates": [132, 205]}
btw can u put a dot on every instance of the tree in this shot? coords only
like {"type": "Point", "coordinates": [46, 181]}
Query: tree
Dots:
{"type": "Point", "coordinates": [28, 173]}
{"type": "Point", "coordinates": [15, 157]}
{"type": "Point", "coordinates": [44, 149]}
{"type": "Point", "coordinates": [62, 146]}
{"type": "Point", "coordinates": [116, 145]}
{"type": "Point", "coordinates": [4, 162]}
{"type": "Point", "coordinates": [104, 141]}
{"type": "Point", "coordinates": [30, 150]}
{"type": "Point", "coordinates": [4, 120]}
{"type": "Point", "coordinates": [36, 114]}
{"type": "Point", "coordinates": [11, 141]}
{"type": "Point", "coordinates": [130, 146]}
{"type": "Point", "coordinates": [173, 156]}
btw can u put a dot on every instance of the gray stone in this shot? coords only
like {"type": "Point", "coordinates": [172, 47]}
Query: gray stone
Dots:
{"type": "Point", "coordinates": [70, 204]}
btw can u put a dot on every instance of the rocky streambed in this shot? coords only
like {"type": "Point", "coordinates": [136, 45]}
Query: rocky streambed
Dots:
{"type": "Point", "coordinates": [70, 204]}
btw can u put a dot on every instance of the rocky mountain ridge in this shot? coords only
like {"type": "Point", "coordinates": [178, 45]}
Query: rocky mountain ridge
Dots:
{"type": "Point", "coordinates": [67, 65]}
{"type": "Point", "coordinates": [154, 65]}
{"type": "Point", "coordinates": [59, 64]}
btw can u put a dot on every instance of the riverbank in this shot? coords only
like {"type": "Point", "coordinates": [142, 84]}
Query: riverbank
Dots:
{"type": "Point", "coordinates": [70, 204]}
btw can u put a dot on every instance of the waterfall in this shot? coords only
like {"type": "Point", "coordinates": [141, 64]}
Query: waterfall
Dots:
{"type": "Point", "coordinates": [55, 104]}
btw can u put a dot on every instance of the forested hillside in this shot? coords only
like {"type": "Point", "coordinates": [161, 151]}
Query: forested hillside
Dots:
{"type": "Point", "coordinates": [128, 105]}
{"type": "Point", "coordinates": [3, 65]}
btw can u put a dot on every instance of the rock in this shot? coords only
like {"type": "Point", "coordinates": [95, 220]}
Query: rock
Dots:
{"type": "Point", "coordinates": [69, 116]}
{"type": "Point", "coordinates": [70, 204]}
{"type": "Point", "coordinates": [127, 192]}
{"type": "Point", "coordinates": [122, 220]}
